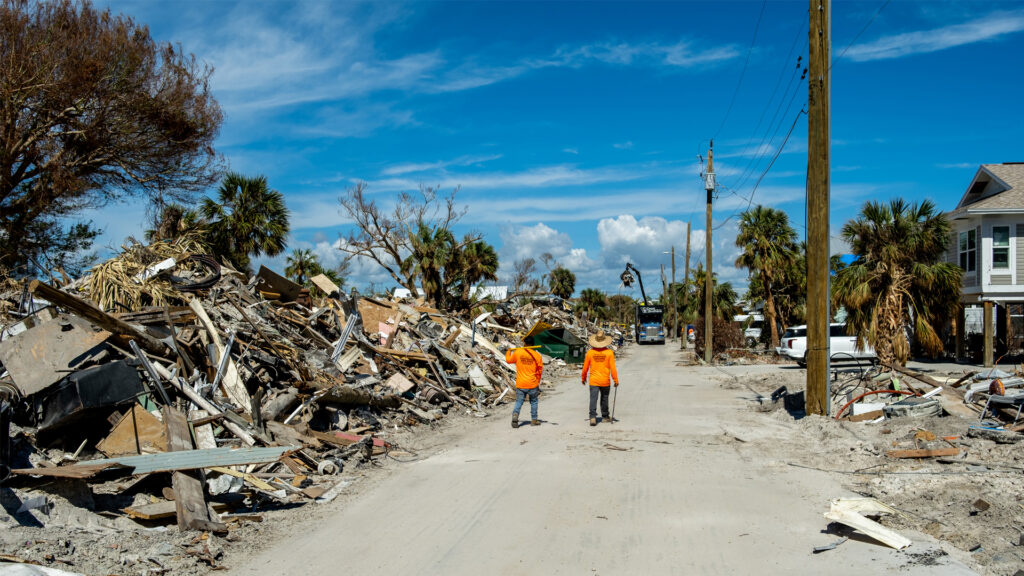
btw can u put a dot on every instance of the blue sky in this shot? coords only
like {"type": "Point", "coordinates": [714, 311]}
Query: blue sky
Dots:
{"type": "Point", "coordinates": [574, 128]}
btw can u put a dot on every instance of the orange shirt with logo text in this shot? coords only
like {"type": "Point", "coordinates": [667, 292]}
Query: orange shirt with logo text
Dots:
{"type": "Point", "coordinates": [601, 364]}
{"type": "Point", "coordinates": [529, 367]}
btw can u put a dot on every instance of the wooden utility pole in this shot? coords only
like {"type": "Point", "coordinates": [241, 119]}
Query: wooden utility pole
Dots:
{"type": "Point", "coordinates": [686, 281]}
{"type": "Point", "coordinates": [709, 186]}
{"type": "Point", "coordinates": [820, 56]}
{"type": "Point", "coordinates": [675, 309]}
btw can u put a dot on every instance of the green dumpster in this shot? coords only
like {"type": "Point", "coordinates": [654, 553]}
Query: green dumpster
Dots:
{"type": "Point", "coordinates": [558, 343]}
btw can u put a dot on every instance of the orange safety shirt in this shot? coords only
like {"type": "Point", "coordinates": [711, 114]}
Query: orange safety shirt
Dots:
{"type": "Point", "coordinates": [529, 367]}
{"type": "Point", "coordinates": [601, 364]}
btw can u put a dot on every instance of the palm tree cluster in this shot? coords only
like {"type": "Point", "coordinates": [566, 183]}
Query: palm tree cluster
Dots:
{"type": "Point", "coordinates": [594, 303]}
{"type": "Point", "coordinates": [690, 297]}
{"type": "Point", "coordinates": [897, 282]}
{"type": "Point", "coordinates": [447, 269]}
{"type": "Point", "coordinates": [303, 264]}
{"type": "Point", "coordinates": [246, 219]}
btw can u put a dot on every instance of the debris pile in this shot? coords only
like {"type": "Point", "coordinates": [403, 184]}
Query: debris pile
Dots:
{"type": "Point", "coordinates": [165, 385]}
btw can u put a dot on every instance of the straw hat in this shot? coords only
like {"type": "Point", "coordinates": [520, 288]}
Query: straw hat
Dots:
{"type": "Point", "coordinates": [600, 340]}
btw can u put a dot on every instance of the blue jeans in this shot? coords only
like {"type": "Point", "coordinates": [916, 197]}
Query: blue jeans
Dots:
{"type": "Point", "coordinates": [521, 394]}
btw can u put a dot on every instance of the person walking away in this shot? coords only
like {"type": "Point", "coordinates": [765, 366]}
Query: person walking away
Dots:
{"type": "Point", "coordinates": [600, 363]}
{"type": "Point", "coordinates": [529, 368]}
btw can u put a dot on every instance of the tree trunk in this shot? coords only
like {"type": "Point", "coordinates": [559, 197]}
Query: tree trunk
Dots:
{"type": "Point", "coordinates": [769, 312]}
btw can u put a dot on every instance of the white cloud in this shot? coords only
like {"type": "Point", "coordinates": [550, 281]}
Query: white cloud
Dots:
{"type": "Point", "coordinates": [544, 176]}
{"type": "Point", "coordinates": [987, 28]}
{"type": "Point", "coordinates": [623, 145]}
{"type": "Point", "coordinates": [574, 151]}
{"type": "Point", "coordinates": [626, 239]}
{"type": "Point", "coordinates": [679, 55]}
{"type": "Point", "coordinates": [408, 168]}
{"type": "Point", "coordinates": [518, 242]}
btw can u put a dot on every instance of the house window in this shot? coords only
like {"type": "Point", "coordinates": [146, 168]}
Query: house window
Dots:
{"type": "Point", "coordinates": [1000, 247]}
{"type": "Point", "coordinates": [968, 250]}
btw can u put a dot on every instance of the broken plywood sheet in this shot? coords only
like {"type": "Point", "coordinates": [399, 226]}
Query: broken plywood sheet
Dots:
{"type": "Point", "coordinates": [137, 432]}
{"type": "Point", "coordinates": [273, 284]}
{"type": "Point", "coordinates": [399, 383]}
{"type": "Point", "coordinates": [40, 357]}
{"type": "Point", "coordinates": [324, 283]}
{"type": "Point", "coordinates": [374, 314]}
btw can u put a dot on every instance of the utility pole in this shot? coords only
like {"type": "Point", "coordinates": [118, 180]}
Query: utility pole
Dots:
{"type": "Point", "coordinates": [709, 186]}
{"type": "Point", "coordinates": [675, 309]}
{"type": "Point", "coordinates": [686, 280]}
{"type": "Point", "coordinates": [818, 135]}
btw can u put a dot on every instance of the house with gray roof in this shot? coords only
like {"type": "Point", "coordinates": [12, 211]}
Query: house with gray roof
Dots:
{"type": "Point", "coordinates": [988, 245]}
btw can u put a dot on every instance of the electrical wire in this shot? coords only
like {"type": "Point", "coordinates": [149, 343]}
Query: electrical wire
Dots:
{"type": "Point", "coordinates": [862, 30]}
{"type": "Point", "coordinates": [757, 151]}
{"type": "Point", "coordinates": [743, 73]}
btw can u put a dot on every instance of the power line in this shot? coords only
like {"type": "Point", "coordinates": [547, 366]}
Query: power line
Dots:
{"type": "Point", "coordinates": [743, 73]}
{"type": "Point", "coordinates": [778, 152]}
{"type": "Point", "coordinates": [862, 30]}
{"type": "Point", "coordinates": [782, 74]}
{"type": "Point", "coordinates": [760, 152]}
{"type": "Point", "coordinates": [773, 130]}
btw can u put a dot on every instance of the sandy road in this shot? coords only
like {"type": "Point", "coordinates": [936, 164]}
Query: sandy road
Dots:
{"type": "Point", "coordinates": [679, 496]}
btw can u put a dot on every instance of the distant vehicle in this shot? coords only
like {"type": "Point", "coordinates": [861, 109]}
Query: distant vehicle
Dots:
{"type": "Point", "coordinates": [842, 346]}
{"type": "Point", "coordinates": [752, 325]}
{"type": "Point", "coordinates": [649, 324]}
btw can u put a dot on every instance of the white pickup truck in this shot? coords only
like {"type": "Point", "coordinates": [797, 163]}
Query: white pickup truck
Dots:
{"type": "Point", "coordinates": [842, 346]}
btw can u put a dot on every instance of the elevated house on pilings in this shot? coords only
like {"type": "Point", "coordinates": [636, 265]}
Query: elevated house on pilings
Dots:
{"type": "Point", "coordinates": [988, 244]}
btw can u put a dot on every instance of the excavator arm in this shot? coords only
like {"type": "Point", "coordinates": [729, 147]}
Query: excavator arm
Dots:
{"type": "Point", "coordinates": [627, 279]}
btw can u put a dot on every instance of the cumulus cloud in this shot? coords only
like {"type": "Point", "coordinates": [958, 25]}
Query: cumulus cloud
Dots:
{"type": "Point", "coordinates": [520, 242]}
{"type": "Point", "coordinates": [641, 242]}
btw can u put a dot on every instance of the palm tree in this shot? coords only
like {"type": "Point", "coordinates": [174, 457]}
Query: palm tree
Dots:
{"type": "Point", "coordinates": [562, 282]}
{"type": "Point", "coordinates": [432, 251]}
{"type": "Point", "coordinates": [897, 281]}
{"type": "Point", "coordinates": [247, 219]}
{"type": "Point", "coordinates": [723, 297]}
{"type": "Point", "coordinates": [593, 302]}
{"type": "Point", "coordinates": [476, 261]}
{"type": "Point", "coordinates": [769, 244]}
{"type": "Point", "coordinates": [303, 264]}
{"type": "Point", "coordinates": [173, 221]}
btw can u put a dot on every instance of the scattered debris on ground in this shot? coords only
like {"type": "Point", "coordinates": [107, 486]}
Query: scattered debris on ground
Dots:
{"type": "Point", "coordinates": [159, 409]}
{"type": "Point", "coordinates": [939, 451]}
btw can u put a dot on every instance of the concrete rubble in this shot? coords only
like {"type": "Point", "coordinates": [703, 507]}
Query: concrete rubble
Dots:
{"type": "Point", "coordinates": [151, 409]}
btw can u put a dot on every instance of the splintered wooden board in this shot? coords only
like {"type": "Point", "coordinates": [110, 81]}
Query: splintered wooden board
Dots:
{"type": "Point", "coordinates": [922, 453]}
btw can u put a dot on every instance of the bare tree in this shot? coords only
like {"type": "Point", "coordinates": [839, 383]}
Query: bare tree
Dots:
{"type": "Point", "coordinates": [523, 271]}
{"type": "Point", "coordinates": [385, 235]}
{"type": "Point", "coordinates": [92, 109]}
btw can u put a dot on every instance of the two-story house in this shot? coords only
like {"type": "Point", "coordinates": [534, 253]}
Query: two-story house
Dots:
{"type": "Point", "coordinates": [988, 244]}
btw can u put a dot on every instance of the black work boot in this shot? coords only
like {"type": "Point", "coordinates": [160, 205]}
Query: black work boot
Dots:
{"type": "Point", "coordinates": [515, 420]}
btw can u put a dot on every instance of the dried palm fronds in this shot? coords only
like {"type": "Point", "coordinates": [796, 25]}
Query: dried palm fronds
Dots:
{"type": "Point", "coordinates": [112, 285]}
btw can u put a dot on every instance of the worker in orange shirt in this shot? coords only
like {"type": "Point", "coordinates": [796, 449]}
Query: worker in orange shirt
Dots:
{"type": "Point", "coordinates": [529, 368]}
{"type": "Point", "coordinates": [600, 363]}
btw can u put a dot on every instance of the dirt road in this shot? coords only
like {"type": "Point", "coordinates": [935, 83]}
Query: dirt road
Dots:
{"type": "Point", "coordinates": [673, 487]}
